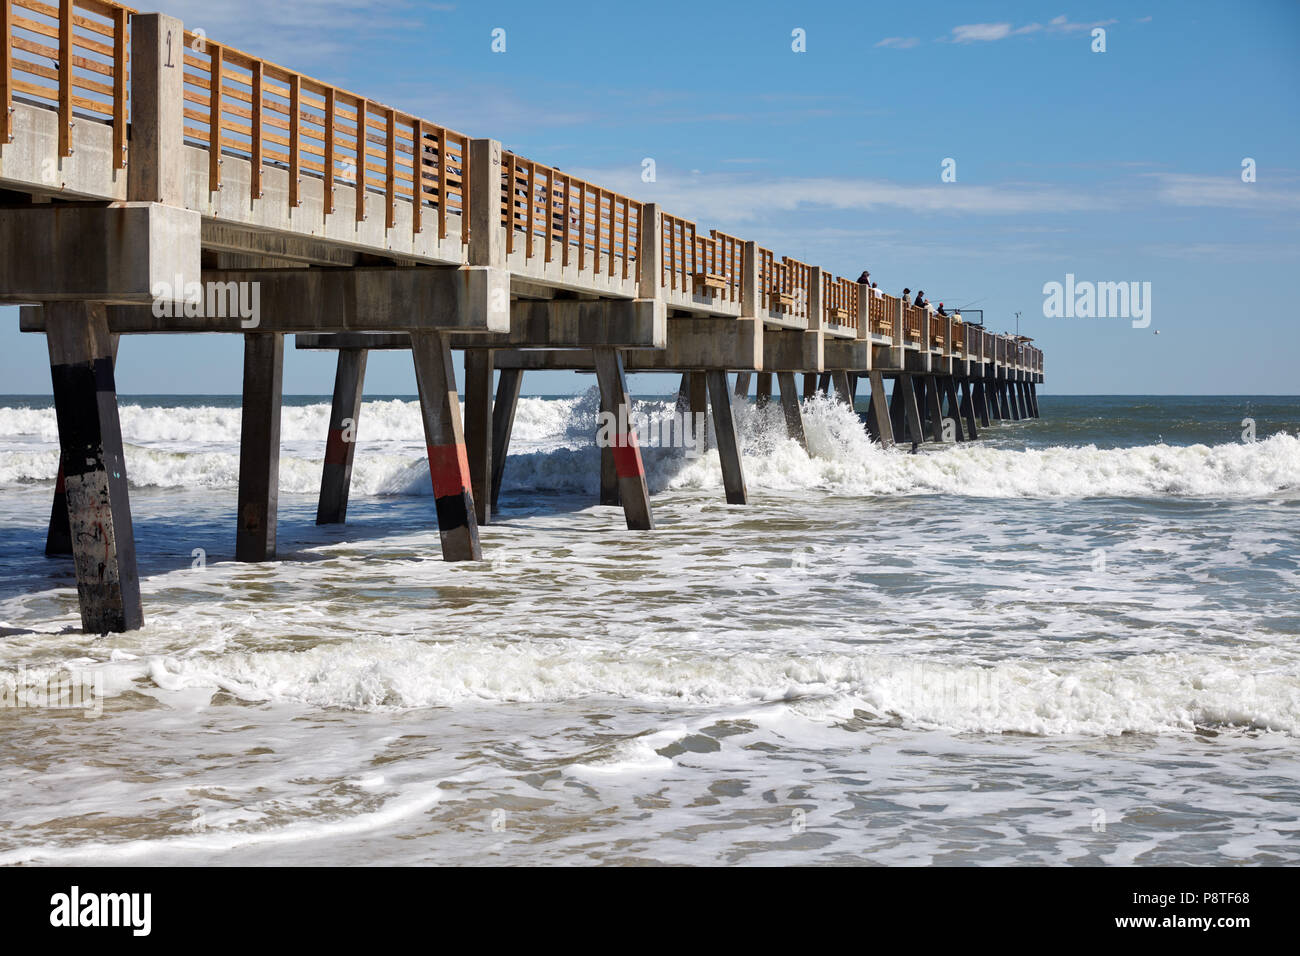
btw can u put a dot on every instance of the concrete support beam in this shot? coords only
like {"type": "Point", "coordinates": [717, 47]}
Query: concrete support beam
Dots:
{"type": "Point", "coordinates": [790, 404]}
{"type": "Point", "coordinates": [445, 437]}
{"type": "Point", "coordinates": [701, 342]}
{"type": "Point", "coordinates": [503, 423]}
{"type": "Point", "coordinates": [259, 448]}
{"type": "Point", "coordinates": [156, 161]}
{"type": "Point", "coordinates": [793, 350]}
{"type": "Point", "coordinates": [980, 398]}
{"type": "Point", "coordinates": [949, 386]}
{"type": "Point", "coordinates": [94, 469]}
{"type": "Point", "coordinates": [764, 394]}
{"type": "Point", "coordinates": [117, 253]}
{"type": "Point", "coordinates": [840, 381]}
{"type": "Point", "coordinates": [340, 445]}
{"type": "Point", "coordinates": [724, 428]}
{"type": "Point", "coordinates": [698, 391]}
{"type": "Point", "coordinates": [742, 384]}
{"type": "Point", "coordinates": [479, 372]}
{"type": "Point", "coordinates": [617, 404]}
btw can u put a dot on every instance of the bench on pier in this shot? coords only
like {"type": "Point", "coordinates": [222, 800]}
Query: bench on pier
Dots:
{"type": "Point", "coordinates": [709, 280]}
{"type": "Point", "coordinates": [838, 316]}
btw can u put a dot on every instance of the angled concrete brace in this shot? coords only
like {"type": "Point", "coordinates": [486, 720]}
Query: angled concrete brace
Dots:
{"type": "Point", "coordinates": [479, 372]}
{"type": "Point", "coordinates": [793, 409]}
{"type": "Point", "coordinates": [968, 410]}
{"type": "Point", "coordinates": [911, 410]}
{"type": "Point", "coordinates": [94, 468]}
{"type": "Point", "coordinates": [616, 403]}
{"type": "Point", "coordinates": [509, 382]}
{"type": "Point", "coordinates": [724, 427]}
{"type": "Point", "coordinates": [954, 406]}
{"type": "Point", "coordinates": [444, 434]}
{"type": "Point", "coordinates": [742, 384]}
{"type": "Point", "coordinates": [935, 414]}
{"type": "Point", "coordinates": [879, 425]}
{"type": "Point", "coordinates": [341, 443]}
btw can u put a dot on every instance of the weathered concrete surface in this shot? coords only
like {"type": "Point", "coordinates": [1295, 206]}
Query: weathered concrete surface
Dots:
{"type": "Point", "coordinates": [120, 253]}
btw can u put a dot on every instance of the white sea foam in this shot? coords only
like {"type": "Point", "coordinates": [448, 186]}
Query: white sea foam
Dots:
{"type": "Point", "coordinates": [1150, 694]}
{"type": "Point", "coordinates": [553, 450]}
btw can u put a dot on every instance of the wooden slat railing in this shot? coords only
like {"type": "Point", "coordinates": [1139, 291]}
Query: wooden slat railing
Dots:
{"type": "Point", "coordinates": [839, 300]}
{"type": "Point", "coordinates": [729, 263]}
{"type": "Point", "coordinates": [882, 309]}
{"type": "Point", "coordinates": [938, 330]}
{"type": "Point", "coordinates": [776, 293]}
{"type": "Point", "coordinates": [912, 322]}
{"type": "Point", "coordinates": [800, 283]}
{"type": "Point", "coordinates": [70, 57]}
{"type": "Point", "coordinates": [958, 336]}
{"type": "Point", "coordinates": [271, 115]}
{"type": "Point", "coordinates": [559, 216]}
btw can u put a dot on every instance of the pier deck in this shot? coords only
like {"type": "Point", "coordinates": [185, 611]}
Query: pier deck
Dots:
{"type": "Point", "coordinates": [154, 180]}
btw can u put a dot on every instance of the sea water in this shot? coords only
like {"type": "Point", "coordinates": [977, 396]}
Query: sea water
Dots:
{"type": "Point", "coordinates": [1075, 641]}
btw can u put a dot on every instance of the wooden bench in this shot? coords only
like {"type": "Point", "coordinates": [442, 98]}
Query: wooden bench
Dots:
{"type": "Point", "coordinates": [783, 300]}
{"type": "Point", "coordinates": [839, 316]}
{"type": "Point", "coordinates": [708, 280]}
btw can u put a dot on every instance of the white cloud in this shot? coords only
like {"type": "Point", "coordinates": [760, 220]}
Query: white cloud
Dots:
{"type": "Point", "coordinates": [988, 32]}
{"type": "Point", "coordinates": [717, 198]}
{"type": "Point", "coordinates": [899, 43]}
{"type": "Point", "coordinates": [1186, 189]}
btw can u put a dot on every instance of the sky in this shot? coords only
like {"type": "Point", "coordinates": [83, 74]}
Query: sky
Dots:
{"type": "Point", "coordinates": [1117, 166]}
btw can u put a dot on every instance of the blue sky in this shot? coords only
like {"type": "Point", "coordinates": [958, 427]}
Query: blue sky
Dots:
{"type": "Point", "coordinates": [1116, 166]}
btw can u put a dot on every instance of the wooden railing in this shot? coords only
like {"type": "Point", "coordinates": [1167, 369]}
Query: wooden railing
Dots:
{"type": "Point", "coordinates": [71, 57]}
{"type": "Point", "coordinates": [775, 291]}
{"type": "Point", "coordinates": [800, 287]}
{"type": "Point", "coordinates": [912, 322]}
{"type": "Point", "coordinates": [938, 330]}
{"type": "Point", "coordinates": [958, 336]}
{"type": "Point", "coordinates": [839, 300]}
{"type": "Point", "coordinates": [568, 218]}
{"type": "Point", "coordinates": [244, 106]}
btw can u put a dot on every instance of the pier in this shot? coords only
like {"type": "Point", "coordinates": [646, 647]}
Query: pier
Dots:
{"type": "Point", "coordinates": [156, 181]}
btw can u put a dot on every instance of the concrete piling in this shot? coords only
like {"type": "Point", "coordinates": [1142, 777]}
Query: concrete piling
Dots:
{"type": "Point", "coordinates": [95, 485]}
{"type": "Point", "coordinates": [259, 447]}
{"type": "Point", "coordinates": [445, 437]}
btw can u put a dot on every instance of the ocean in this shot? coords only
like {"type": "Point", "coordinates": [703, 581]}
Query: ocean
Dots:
{"type": "Point", "coordinates": [1072, 642]}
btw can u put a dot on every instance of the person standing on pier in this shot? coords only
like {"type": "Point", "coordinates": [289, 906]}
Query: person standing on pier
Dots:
{"type": "Point", "coordinates": [907, 297]}
{"type": "Point", "coordinates": [921, 301]}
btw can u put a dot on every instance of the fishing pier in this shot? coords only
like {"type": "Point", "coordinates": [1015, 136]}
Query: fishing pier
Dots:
{"type": "Point", "coordinates": [150, 177]}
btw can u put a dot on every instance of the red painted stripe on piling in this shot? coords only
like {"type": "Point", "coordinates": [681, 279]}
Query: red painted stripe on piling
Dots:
{"type": "Point", "coordinates": [627, 457]}
{"type": "Point", "coordinates": [449, 468]}
{"type": "Point", "coordinates": [336, 449]}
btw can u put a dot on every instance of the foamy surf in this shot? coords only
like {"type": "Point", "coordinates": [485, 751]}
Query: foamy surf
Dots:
{"type": "Point", "coordinates": [553, 451]}
{"type": "Point", "coordinates": [1147, 694]}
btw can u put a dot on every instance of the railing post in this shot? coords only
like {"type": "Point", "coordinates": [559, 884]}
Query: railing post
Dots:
{"type": "Point", "coordinates": [750, 294]}
{"type": "Point", "coordinates": [65, 78]}
{"type": "Point", "coordinates": [486, 237]}
{"type": "Point", "coordinates": [157, 169]}
{"type": "Point", "coordinates": [216, 82]}
{"type": "Point", "coordinates": [650, 236]}
{"type": "Point", "coordinates": [6, 72]}
{"type": "Point", "coordinates": [864, 311]}
{"type": "Point", "coordinates": [119, 84]}
{"type": "Point", "coordinates": [816, 304]}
